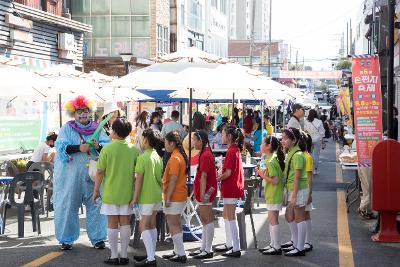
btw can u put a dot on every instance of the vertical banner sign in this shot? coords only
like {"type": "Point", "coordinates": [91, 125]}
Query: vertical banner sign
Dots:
{"type": "Point", "coordinates": [367, 106]}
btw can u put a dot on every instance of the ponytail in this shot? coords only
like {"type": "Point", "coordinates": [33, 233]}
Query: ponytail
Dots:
{"type": "Point", "coordinates": [295, 134]}
{"type": "Point", "coordinates": [175, 138]}
{"type": "Point", "coordinates": [236, 135]}
{"type": "Point", "coordinates": [203, 136]}
{"type": "Point", "coordinates": [276, 147]}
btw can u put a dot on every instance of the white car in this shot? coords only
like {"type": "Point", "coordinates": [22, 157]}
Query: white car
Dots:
{"type": "Point", "coordinates": [319, 95]}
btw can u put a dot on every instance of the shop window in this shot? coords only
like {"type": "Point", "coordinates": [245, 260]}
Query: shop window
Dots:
{"type": "Point", "coordinates": [141, 47]}
{"type": "Point", "coordinates": [101, 7]}
{"type": "Point", "coordinates": [140, 26]}
{"type": "Point", "coordinates": [120, 26]}
{"type": "Point", "coordinates": [140, 7]}
{"type": "Point", "coordinates": [101, 26]}
{"type": "Point", "coordinates": [121, 7]}
{"type": "Point", "coordinates": [120, 45]}
{"type": "Point", "coordinates": [101, 47]}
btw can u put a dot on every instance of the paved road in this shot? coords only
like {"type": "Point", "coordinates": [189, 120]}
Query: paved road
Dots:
{"type": "Point", "coordinates": [340, 239]}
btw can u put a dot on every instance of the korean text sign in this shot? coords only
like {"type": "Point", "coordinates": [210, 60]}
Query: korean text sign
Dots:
{"type": "Point", "coordinates": [367, 106]}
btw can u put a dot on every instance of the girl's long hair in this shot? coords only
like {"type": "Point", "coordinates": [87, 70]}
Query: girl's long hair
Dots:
{"type": "Point", "coordinates": [276, 147]}
{"type": "Point", "coordinates": [141, 120]}
{"type": "Point", "coordinates": [203, 136]}
{"type": "Point", "coordinates": [236, 135]}
{"type": "Point", "coordinates": [175, 138]}
{"type": "Point", "coordinates": [295, 135]}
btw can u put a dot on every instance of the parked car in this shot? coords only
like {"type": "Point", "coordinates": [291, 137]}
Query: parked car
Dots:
{"type": "Point", "coordinates": [319, 95]}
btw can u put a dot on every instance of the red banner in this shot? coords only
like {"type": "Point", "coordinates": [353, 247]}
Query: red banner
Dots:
{"type": "Point", "coordinates": [367, 106]}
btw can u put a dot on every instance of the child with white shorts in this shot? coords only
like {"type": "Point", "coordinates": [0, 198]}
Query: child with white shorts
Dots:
{"type": "Point", "coordinates": [115, 169]}
{"type": "Point", "coordinates": [297, 187]}
{"type": "Point", "coordinates": [148, 193]}
{"type": "Point", "coordinates": [273, 176]}
{"type": "Point", "coordinates": [175, 194]}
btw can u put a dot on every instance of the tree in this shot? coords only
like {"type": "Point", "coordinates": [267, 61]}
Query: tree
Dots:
{"type": "Point", "coordinates": [343, 64]}
{"type": "Point", "coordinates": [294, 67]}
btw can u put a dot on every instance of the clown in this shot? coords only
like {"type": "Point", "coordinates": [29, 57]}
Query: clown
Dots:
{"type": "Point", "coordinates": [72, 184]}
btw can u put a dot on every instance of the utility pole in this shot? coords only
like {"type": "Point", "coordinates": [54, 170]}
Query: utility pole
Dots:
{"type": "Point", "coordinates": [351, 39]}
{"type": "Point", "coordinates": [347, 40]}
{"type": "Point", "coordinates": [270, 40]}
{"type": "Point", "coordinates": [290, 54]}
{"type": "Point", "coordinates": [297, 58]}
{"type": "Point", "coordinates": [390, 86]}
{"type": "Point", "coordinates": [304, 66]}
{"type": "Point", "coordinates": [253, 7]}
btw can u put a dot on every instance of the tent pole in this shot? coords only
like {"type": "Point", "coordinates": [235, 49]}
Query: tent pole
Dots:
{"type": "Point", "coordinates": [180, 112]}
{"type": "Point", "coordinates": [233, 106]}
{"type": "Point", "coordinates": [60, 109]}
{"type": "Point", "coordinates": [262, 118]}
{"type": "Point", "coordinates": [276, 118]}
{"type": "Point", "coordinates": [283, 123]}
{"type": "Point", "coordinates": [190, 129]}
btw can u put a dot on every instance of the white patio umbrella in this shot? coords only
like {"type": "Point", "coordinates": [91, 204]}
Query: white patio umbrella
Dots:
{"type": "Point", "coordinates": [191, 54]}
{"type": "Point", "coordinates": [121, 94]}
{"type": "Point", "coordinates": [19, 83]}
{"type": "Point", "coordinates": [97, 77]}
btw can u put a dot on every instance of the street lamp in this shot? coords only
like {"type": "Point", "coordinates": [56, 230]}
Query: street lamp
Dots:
{"type": "Point", "coordinates": [126, 58]}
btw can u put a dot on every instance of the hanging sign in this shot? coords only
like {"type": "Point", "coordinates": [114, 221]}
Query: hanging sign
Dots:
{"type": "Point", "coordinates": [367, 106]}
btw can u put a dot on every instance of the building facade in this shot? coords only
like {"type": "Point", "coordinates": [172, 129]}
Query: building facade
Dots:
{"type": "Point", "coordinates": [216, 27]}
{"type": "Point", "coordinates": [239, 50]}
{"type": "Point", "coordinates": [38, 38]}
{"type": "Point", "coordinates": [139, 27]}
{"type": "Point", "coordinates": [240, 19]}
{"type": "Point", "coordinates": [187, 24]}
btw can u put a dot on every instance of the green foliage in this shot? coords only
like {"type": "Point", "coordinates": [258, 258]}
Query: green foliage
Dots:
{"type": "Point", "coordinates": [343, 64]}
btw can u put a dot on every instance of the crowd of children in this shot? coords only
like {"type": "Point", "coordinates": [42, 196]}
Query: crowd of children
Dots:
{"type": "Point", "coordinates": [131, 181]}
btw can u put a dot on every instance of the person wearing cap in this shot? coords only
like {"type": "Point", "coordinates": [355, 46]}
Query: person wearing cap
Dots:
{"type": "Point", "coordinates": [110, 107]}
{"type": "Point", "coordinates": [297, 115]}
{"type": "Point", "coordinates": [160, 111]}
{"type": "Point", "coordinates": [41, 152]}
{"type": "Point", "coordinates": [72, 184]}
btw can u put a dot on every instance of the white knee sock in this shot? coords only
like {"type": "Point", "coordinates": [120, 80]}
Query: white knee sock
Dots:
{"type": "Point", "coordinates": [228, 234]}
{"type": "Point", "coordinates": [178, 243]}
{"type": "Point", "coordinates": [113, 241]}
{"type": "Point", "coordinates": [204, 238]}
{"type": "Point", "coordinates": [271, 237]}
{"type": "Point", "coordinates": [148, 243]}
{"type": "Point", "coordinates": [235, 235]}
{"type": "Point", "coordinates": [293, 231]}
{"type": "Point", "coordinates": [125, 235]}
{"type": "Point", "coordinates": [301, 228]}
{"type": "Point", "coordinates": [210, 236]}
{"type": "Point", "coordinates": [154, 237]}
{"type": "Point", "coordinates": [308, 232]}
{"type": "Point", "coordinates": [275, 236]}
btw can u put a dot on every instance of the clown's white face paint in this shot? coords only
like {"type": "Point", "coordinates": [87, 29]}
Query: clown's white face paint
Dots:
{"type": "Point", "coordinates": [82, 116]}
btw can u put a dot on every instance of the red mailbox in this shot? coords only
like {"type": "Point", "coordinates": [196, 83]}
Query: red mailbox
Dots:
{"type": "Point", "coordinates": [385, 190]}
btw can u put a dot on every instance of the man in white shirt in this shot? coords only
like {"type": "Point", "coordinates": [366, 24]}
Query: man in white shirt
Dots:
{"type": "Point", "coordinates": [41, 153]}
{"type": "Point", "coordinates": [297, 114]}
{"type": "Point", "coordinates": [173, 125]}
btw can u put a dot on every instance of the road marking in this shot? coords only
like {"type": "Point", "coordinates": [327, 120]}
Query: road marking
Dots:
{"type": "Point", "coordinates": [344, 242]}
{"type": "Point", "coordinates": [43, 259]}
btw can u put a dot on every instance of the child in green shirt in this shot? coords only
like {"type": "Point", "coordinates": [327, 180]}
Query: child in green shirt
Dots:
{"type": "Point", "coordinates": [297, 186]}
{"type": "Point", "coordinates": [115, 169]}
{"type": "Point", "coordinates": [273, 176]}
{"type": "Point", "coordinates": [148, 192]}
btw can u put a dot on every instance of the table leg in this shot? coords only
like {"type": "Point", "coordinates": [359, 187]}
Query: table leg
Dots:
{"type": "Point", "coordinates": [357, 190]}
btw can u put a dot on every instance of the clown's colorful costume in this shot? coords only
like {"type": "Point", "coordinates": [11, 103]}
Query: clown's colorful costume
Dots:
{"type": "Point", "coordinates": [72, 184]}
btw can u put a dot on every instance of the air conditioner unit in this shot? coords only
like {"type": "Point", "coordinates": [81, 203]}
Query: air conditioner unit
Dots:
{"type": "Point", "coordinates": [66, 41]}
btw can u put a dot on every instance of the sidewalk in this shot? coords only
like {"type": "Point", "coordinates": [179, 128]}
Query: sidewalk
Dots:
{"type": "Point", "coordinates": [327, 250]}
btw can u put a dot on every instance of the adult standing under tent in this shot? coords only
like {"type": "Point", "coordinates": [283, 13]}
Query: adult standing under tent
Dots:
{"type": "Point", "coordinates": [173, 125]}
{"type": "Point", "coordinates": [141, 125]}
{"type": "Point", "coordinates": [297, 115]}
{"type": "Point", "coordinates": [110, 108]}
{"type": "Point", "coordinates": [72, 184]}
{"type": "Point", "coordinates": [315, 128]}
